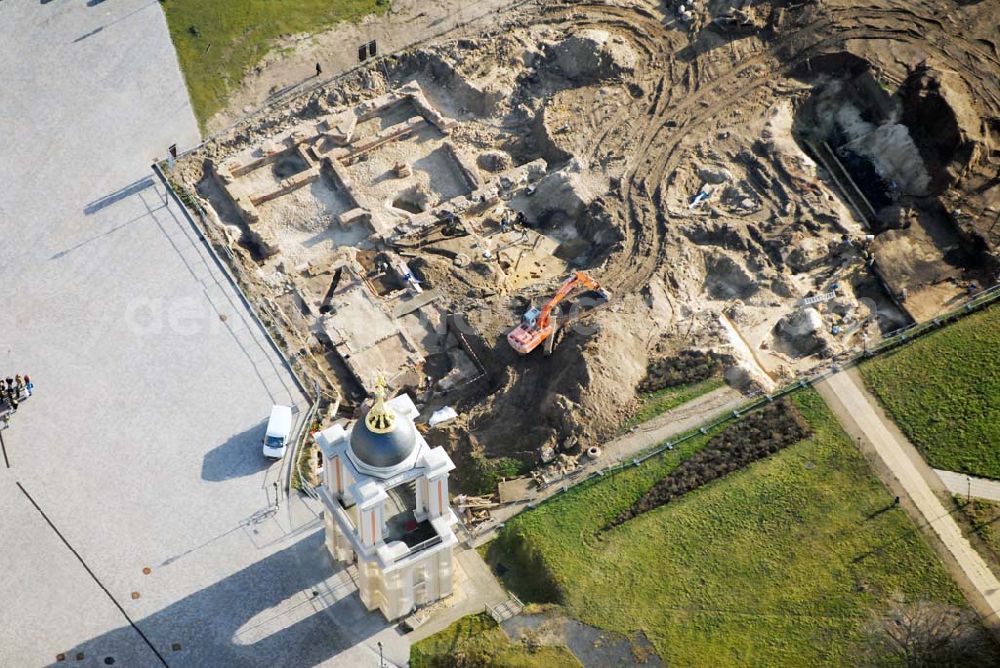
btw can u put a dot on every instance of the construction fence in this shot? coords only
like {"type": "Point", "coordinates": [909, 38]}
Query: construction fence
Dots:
{"type": "Point", "coordinates": [890, 342]}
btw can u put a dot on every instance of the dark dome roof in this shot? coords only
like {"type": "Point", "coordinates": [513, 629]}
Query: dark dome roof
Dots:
{"type": "Point", "coordinates": [383, 450]}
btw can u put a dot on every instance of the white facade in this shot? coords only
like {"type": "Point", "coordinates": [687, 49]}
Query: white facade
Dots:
{"type": "Point", "coordinates": [394, 521]}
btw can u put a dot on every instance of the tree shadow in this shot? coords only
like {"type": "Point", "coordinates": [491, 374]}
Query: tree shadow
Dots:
{"type": "Point", "coordinates": [295, 607]}
{"type": "Point", "coordinates": [239, 456]}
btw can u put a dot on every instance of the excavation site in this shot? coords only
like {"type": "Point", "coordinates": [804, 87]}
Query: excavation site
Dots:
{"type": "Point", "coordinates": [533, 222]}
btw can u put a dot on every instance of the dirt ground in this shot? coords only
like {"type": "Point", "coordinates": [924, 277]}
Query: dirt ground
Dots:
{"type": "Point", "coordinates": [293, 59]}
{"type": "Point", "coordinates": [777, 182]}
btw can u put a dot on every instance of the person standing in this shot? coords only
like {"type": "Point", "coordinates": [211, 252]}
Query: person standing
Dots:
{"type": "Point", "coordinates": [28, 385]}
{"type": "Point", "coordinates": [319, 69]}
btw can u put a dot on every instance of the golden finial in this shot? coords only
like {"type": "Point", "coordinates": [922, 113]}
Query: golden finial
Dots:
{"type": "Point", "coordinates": [380, 420]}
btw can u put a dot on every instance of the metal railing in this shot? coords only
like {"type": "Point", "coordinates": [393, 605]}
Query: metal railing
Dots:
{"type": "Point", "coordinates": [420, 547]}
{"type": "Point", "coordinates": [300, 442]}
{"type": "Point", "coordinates": [503, 611]}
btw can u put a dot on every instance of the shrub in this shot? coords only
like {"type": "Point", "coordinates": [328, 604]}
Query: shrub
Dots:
{"type": "Point", "coordinates": [687, 366]}
{"type": "Point", "coordinates": [756, 436]}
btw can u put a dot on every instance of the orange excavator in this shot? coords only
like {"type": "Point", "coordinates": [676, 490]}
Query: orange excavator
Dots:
{"type": "Point", "coordinates": [538, 325]}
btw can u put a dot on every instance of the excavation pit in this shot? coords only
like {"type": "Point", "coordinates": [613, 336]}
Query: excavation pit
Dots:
{"type": "Point", "coordinates": [874, 146]}
{"type": "Point", "coordinates": [408, 216]}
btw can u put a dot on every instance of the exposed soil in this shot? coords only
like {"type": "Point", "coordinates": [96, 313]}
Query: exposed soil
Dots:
{"type": "Point", "coordinates": [686, 171]}
{"type": "Point", "coordinates": [595, 648]}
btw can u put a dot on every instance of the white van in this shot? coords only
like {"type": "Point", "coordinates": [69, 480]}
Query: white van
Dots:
{"type": "Point", "coordinates": [279, 426]}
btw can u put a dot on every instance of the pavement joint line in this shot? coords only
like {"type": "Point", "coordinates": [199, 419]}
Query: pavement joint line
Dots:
{"type": "Point", "coordinates": [233, 283]}
{"type": "Point", "coordinates": [92, 574]}
{"type": "Point", "coordinates": [204, 283]}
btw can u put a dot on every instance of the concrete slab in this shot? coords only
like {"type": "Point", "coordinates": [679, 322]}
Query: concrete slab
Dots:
{"type": "Point", "coordinates": [366, 337]}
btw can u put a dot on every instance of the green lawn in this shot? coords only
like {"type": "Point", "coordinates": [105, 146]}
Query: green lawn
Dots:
{"type": "Point", "coordinates": [661, 401]}
{"type": "Point", "coordinates": [944, 393]}
{"type": "Point", "coordinates": [218, 42]}
{"type": "Point", "coordinates": [781, 564]}
{"type": "Point", "coordinates": [476, 640]}
{"type": "Point", "coordinates": [984, 522]}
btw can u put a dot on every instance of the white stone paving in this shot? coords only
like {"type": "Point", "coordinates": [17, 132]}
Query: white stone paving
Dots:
{"type": "Point", "coordinates": [142, 442]}
{"type": "Point", "coordinates": [963, 485]}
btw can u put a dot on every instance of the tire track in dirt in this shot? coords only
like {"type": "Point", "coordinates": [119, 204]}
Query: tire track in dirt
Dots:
{"type": "Point", "coordinates": [657, 156]}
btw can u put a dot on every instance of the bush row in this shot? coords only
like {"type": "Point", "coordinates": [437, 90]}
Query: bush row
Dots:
{"type": "Point", "coordinates": [756, 436]}
{"type": "Point", "coordinates": [687, 366]}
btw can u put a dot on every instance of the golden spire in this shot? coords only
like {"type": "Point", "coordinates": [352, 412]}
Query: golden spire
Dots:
{"type": "Point", "coordinates": [380, 420]}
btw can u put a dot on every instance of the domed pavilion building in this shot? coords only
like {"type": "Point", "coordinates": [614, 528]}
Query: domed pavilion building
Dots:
{"type": "Point", "coordinates": [386, 498]}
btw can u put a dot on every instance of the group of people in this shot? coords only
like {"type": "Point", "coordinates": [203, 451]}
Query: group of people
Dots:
{"type": "Point", "coordinates": [14, 390]}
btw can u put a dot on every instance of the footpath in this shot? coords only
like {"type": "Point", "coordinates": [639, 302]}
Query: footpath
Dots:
{"type": "Point", "coordinates": [969, 485]}
{"type": "Point", "coordinates": [911, 478]}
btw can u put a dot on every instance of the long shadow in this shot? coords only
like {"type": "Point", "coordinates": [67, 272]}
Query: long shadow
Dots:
{"type": "Point", "coordinates": [118, 195]}
{"type": "Point", "coordinates": [88, 34]}
{"type": "Point", "coordinates": [708, 39]}
{"type": "Point", "coordinates": [239, 456]}
{"type": "Point", "coordinates": [233, 622]}
{"type": "Point", "coordinates": [281, 91]}
{"type": "Point", "coordinates": [67, 251]}
{"type": "Point", "coordinates": [94, 3]}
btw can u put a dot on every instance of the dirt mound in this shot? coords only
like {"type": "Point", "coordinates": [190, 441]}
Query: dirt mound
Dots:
{"type": "Point", "coordinates": [940, 118]}
{"type": "Point", "coordinates": [725, 278]}
{"type": "Point", "coordinates": [800, 334]}
{"type": "Point", "coordinates": [570, 398]}
{"type": "Point", "coordinates": [592, 55]}
{"type": "Point", "coordinates": [566, 190]}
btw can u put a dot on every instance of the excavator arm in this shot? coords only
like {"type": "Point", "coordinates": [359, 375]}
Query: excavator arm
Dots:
{"type": "Point", "coordinates": [532, 331]}
{"type": "Point", "coordinates": [565, 289]}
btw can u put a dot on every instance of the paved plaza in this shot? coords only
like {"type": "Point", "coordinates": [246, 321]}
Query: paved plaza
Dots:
{"type": "Point", "coordinates": [138, 521]}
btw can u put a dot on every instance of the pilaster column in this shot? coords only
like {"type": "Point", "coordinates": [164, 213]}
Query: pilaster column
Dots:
{"type": "Point", "coordinates": [438, 490]}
